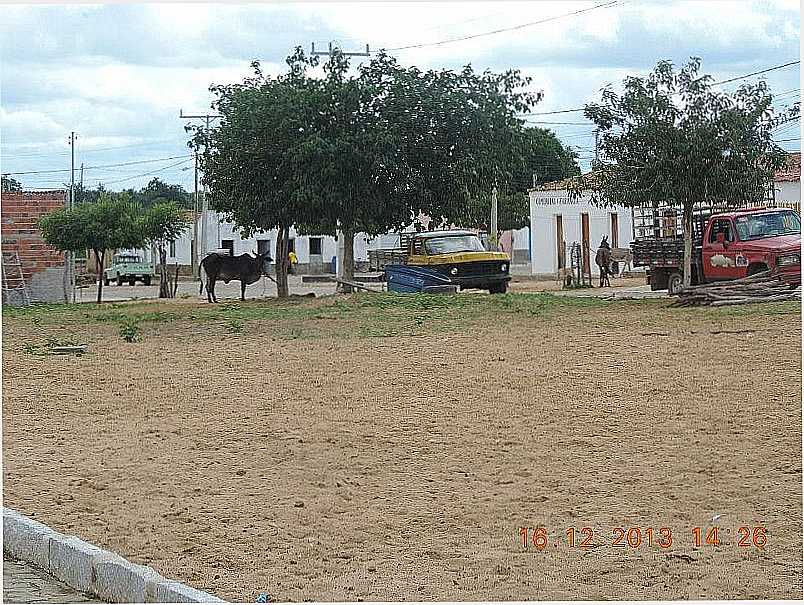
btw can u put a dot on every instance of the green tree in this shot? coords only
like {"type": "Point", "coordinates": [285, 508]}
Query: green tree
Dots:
{"type": "Point", "coordinates": [112, 223]}
{"type": "Point", "coordinates": [161, 223]}
{"type": "Point", "coordinates": [669, 137]}
{"type": "Point", "coordinates": [10, 184]}
{"type": "Point", "coordinates": [391, 141]}
{"type": "Point", "coordinates": [248, 160]}
{"type": "Point", "coordinates": [157, 191]}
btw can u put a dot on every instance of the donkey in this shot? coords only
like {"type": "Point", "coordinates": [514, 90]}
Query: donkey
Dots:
{"type": "Point", "coordinates": [603, 261]}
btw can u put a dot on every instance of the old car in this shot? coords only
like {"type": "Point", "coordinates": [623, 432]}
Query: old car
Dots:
{"type": "Point", "coordinates": [727, 245]}
{"type": "Point", "coordinates": [434, 259]}
{"type": "Point", "coordinates": [128, 268]}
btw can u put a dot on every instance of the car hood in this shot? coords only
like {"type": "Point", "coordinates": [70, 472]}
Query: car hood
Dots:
{"type": "Point", "coordinates": [780, 243]}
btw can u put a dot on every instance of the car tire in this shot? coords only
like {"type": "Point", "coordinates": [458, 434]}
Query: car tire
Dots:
{"type": "Point", "coordinates": [119, 280]}
{"type": "Point", "coordinates": [675, 282]}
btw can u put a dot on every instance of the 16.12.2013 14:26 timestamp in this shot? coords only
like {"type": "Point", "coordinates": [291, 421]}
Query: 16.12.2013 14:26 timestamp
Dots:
{"type": "Point", "coordinates": [646, 537]}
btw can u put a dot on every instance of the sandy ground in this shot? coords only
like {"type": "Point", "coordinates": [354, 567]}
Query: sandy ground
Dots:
{"type": "Point", "coordinates": [339, 466]}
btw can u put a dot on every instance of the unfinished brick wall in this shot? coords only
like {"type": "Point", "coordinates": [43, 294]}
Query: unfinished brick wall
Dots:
{"type": "Point", "coordinates": [43, 266]}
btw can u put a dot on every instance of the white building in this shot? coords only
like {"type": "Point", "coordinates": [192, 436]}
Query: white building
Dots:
{"type": "Point", "coordinates": [787, 182]}
{"type": "Point", "coordinates": [315, 253]}
{"type": "Point", "coordinates": [556, 222]}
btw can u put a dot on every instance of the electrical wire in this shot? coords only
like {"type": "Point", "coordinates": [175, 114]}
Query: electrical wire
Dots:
{"type": "Point", "coordinates": [505, 29]}
{"type": "Point", "coordinates": [100, 166]}
{"type": "Point", "coordinates": [756, 73]}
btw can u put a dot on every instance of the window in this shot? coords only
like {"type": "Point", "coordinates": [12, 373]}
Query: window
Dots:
{"type": "Point", "coordinates": [228, 244]}
{"type": "Point", "coordinates": [770, 224]}
{"type": "Point", "coordinates": [172, 249]}
{"type": "Point", "coordinates": [263, 246]}
{"type": "Point", "coordinates": [453, 244]}
{"type": "Point", "coordinates": [721, 226]}
{"type": "Point", "coordinates": [315, 245]}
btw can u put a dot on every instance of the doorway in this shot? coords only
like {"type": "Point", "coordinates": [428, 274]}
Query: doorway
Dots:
{"type": "Point", "coordinates": [561, 249]}
{"type": "Point", "coordinates": [585, 241]}
{"type": "Point", "coordinates": [615, 230]}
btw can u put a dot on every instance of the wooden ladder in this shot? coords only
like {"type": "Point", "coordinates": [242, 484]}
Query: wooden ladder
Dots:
{"type": "Point", "coordinates": [13, 279]}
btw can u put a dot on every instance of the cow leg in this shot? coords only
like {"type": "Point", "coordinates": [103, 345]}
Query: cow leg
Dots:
{"type": "Point", "coordinates": [211, 291]}
{"type": "Point", "coordinates": [242, 290]}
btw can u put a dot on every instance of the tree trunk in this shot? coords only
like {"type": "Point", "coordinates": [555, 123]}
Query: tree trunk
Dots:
{"type": "Point", "coordinates": [99, 262]}
{"type": "Point", "coordinates": [282, 262]}
{"type": "Point", "coordinates": [687, 244]}
{"type": "Point", "coordinates": [164, 278]}
{"type": "Point", "coordinates": [348, 270]}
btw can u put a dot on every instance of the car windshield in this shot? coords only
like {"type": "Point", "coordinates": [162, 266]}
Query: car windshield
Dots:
{"type": "Point", "coordinates": [450, 244]}
{"type": "Point", "coordinates": [769, 224]}
{"type": "Point", "coordinates": [128, 259]}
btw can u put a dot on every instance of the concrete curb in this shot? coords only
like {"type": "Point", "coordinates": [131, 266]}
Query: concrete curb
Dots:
{"type": "Point", "coordinates": [90, 569]}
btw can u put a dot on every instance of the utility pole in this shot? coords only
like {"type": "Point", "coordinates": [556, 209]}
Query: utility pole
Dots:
{"type": "Point", "coordinates": [194, 255]}
{"type": "Point", "coordinates": [199, 250]}
{"type": "Point", "coordinates": [69, 256]}
{"type": "Point", "coordinates": [494, 219]}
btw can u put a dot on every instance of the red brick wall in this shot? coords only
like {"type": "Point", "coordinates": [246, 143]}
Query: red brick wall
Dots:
{"type": "Point", "coordinates": [20, 212]}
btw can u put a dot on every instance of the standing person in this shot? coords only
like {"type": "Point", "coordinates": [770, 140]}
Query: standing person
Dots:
{"type": "Point", "coordinates": [292, 260]}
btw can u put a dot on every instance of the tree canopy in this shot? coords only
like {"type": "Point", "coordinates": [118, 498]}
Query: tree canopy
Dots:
{"type": "Point", "coordinates": [162, 223]}
{"type": "Point", "coordinates": [364, 151]}
{"type": "Point", "coordinates": [112, 223]}
{"type": "Point", "coordinates": [10, 184]}
{"type": "Point", "coordinates": [671, 137]}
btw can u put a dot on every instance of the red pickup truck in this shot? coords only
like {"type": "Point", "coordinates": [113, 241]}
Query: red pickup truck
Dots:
{"type": "Point", "coordinates": [726, 245]}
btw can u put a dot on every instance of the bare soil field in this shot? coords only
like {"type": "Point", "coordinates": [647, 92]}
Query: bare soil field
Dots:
{"type": "Point", "coordinates": [383, 447]}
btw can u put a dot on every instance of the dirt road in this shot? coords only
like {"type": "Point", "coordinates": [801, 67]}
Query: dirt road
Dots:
{"type": "Point", "coordinates": [361, 449]}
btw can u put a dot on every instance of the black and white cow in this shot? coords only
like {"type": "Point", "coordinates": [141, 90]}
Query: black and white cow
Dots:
{"type": "Point", "coordinates": [245, 268]}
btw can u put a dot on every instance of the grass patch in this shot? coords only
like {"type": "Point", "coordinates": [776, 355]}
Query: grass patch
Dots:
{"type": "Point", "coordinates": [375, 315]}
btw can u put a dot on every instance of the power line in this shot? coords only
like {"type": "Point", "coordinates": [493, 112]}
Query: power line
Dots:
{"type": "Point", "coordinates": [148, 173]}
{"type": "Point", "coordinates": [100, 166]}
{"type": "Point", "coordinates": [546, 113]}
{"type": "Point", "coordinates": [787, 140]}
{"type": "Point", "coordinates": [559, 123]}
{"type": "Point", "coordinates": [756, 73]}
{"type": "Point", "coordinates": [505, 29]}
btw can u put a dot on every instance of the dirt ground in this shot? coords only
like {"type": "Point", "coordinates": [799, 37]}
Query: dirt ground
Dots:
{"type": "Point", "coordinates": [351, 449]}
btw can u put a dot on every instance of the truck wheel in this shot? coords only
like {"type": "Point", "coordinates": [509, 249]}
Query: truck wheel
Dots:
{"type": "Point", "coordinates": [147, 280]}
{"type": "Point", "coordinates": [498, 288]}
{"type": "Point", "coordinates": [105, 280]}
{"type": "Point", "coordinates": [119, 280]}
{"type": "Point", "coordinates": [132, 281]}
{"type": "Point", "coordinates": [674, 283]}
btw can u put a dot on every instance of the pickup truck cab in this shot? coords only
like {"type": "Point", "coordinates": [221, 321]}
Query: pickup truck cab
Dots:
{"type": "Point", "coordinates": [738, 244]}
{"type": "Point", "coordinates": [460, 256]}
{"type": "Point", "coordinates": [128, 268]}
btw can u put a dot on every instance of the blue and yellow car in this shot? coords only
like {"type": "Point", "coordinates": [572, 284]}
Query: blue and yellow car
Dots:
{"type": "Point", "coordinates": [456, 257]}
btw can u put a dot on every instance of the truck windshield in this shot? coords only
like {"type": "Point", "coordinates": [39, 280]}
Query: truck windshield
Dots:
{"type": "Point", "coordinates": [452, 244]}
{"type": "Point", "coordinates": [129, 259]}
{"type": "Point", "coordinates": [769, 224]}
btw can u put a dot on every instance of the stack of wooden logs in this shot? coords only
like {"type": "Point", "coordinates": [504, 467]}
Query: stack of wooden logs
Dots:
{"type": "Point", "coordinates": [761, 287]}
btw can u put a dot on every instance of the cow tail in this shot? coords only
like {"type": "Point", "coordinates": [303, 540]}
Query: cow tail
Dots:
{"type": "Point", "coordinates": [203, 275]}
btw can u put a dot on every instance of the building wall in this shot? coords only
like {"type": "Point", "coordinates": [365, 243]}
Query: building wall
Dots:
{"type": "Point", "coordinates": [788, 191]}
{"type": "Point", "coordinates": [43, 266]}
{"type": "Point", "coordinates": [546, 205]}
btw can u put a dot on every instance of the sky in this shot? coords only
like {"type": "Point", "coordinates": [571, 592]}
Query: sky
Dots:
{"type": "Point", "coordinates": [119, 75]}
